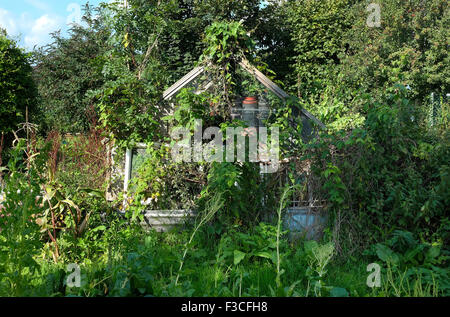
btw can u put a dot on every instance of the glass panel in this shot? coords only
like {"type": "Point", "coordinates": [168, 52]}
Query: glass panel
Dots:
{"type": "Point", "coordinates": [138, 158]}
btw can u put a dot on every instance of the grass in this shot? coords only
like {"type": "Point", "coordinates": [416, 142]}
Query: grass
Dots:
{"type": "Point", "coordinates": [124, 260]}
{"type": "Point", "coordinates": [351, 275]}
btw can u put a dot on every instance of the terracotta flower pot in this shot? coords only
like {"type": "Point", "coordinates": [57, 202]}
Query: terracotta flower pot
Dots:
{"type": "Point", "coordinates": [250, 103]}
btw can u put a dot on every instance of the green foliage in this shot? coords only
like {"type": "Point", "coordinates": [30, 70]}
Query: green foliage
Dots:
{"type": "Point", "coordinates": [382, 166]}
{"type": "Point", "coordinates": [338, 107]}
{"type": "Point", "coordinates": [318, 28]}
{"type": "Point", "coordinates": [413, 267]}
{"type": "Point", "coordinates": [389, 173]}
{"type": "Point", "coordinates": [286, 117]}
{"type": "Point", "coordinates": [17, 89]}
{"type": "Point", "coordinates": [18, 230]}
{"type": "Point", "coordinates": [124, 107]}
{"type": "Point", "coordinates": [339, 58]}
{"type": "Point", "coordinates": [149, 50]}
{"type": "Point", "coordinates": [318, 257]}
{"type": "Point", "coordinates": [226, 44]}
{"type": "Point", "coordinates": [214, 206]}
{"type": "Point", "coordinates": [409, 48]}
{"type": "Point", "coordinates": [190, 107]}
{"type": "Point", "coordinates": [226, 41]}
{"type": "Point", "coordinates": [133, 74]}
{"type": "Point", "coordinates": [161, 183]}
{"type": "Point", "coordinates": [240, 189]}
{"type": "Point", "coordinates": [237, 247]}
{"type": "Point", "coordinates": [66, 70]}
{"type": "Point", "coordinates": [275, 42]}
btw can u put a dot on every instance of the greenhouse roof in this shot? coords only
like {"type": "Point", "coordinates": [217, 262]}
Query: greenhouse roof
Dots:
{"type": "Point", "coordinates": [245, 64]}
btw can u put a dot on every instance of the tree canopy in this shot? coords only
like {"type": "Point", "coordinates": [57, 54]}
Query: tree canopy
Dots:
{"type": "Point", "coordinates": [17, 88]}
{"type": "Point", "coordinates": [66, 70]}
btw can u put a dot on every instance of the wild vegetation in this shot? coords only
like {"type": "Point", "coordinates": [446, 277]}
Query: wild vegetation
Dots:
{"type": "Point", "coordinates": [381, 168]}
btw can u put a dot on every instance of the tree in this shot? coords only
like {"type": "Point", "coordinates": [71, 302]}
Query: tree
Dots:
{"type": "Point", "coordinates": [410, 48]}
{"type": "Point", "coordinates": [134, 72]}
{"type": "Point", "coordinates": [318, 28]}
{"type": "Point", "coordinates": [340, 59]}
{"type": "Point", "coordinates": [66, 69]}
{"type": "Point", "coordinates": [155, 43]}
{"type": "Point", "coordinates": [17, 90]}
{"type": "Point", "coordinates": [275, 43]}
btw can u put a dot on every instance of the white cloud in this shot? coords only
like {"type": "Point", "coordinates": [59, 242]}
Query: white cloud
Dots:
{"type": "Point", "coordinates": [7, 21]}
{"type": "Point", "coordinates": [34, 32]}
{"type": "Point", "coordinates": [41, 28]}
{"type": "Point", "coordinates": [39, 5]}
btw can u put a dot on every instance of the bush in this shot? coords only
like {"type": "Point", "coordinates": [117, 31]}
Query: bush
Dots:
{"type": "Point", "coordinates": [17, 89]}
{"type": "Point", "coordinates": [386, 175]}
{"type": "Point", "coordinates": [413, 268]}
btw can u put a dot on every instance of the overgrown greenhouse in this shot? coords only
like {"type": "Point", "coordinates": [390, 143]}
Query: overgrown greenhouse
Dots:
{"type": "Point", "coordinates": [229, 149]}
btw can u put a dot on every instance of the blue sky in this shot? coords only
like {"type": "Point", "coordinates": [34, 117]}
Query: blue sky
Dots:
{"type": "Point", "coordinates": [31, 21]}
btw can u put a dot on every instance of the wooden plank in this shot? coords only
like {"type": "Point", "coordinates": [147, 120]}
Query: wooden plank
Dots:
{"type": "Point", "coordinates": [266, 82]}
{"type": "Point", "coordinates": [186, 79]}
{"type": "Point", "coordinates": [207, 86]}
{"type": "Point", "coordinates": [310, 116]}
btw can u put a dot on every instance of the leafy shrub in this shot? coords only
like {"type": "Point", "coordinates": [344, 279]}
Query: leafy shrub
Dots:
{"type": "Point", "coordinates": [237, 247]}
{"type": "Point", "coordinates": [413, 268]}
{"type": "Point", "coordinates": [240, 187]}
{"type": "Point", "coordinates": [17, 89]}
{"type": "Point", "coordinates": [66, 69]}
{"type": "Point", "coordinates": [386, 175]}
{"type": "Point", "coordinates": [18, 228]}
